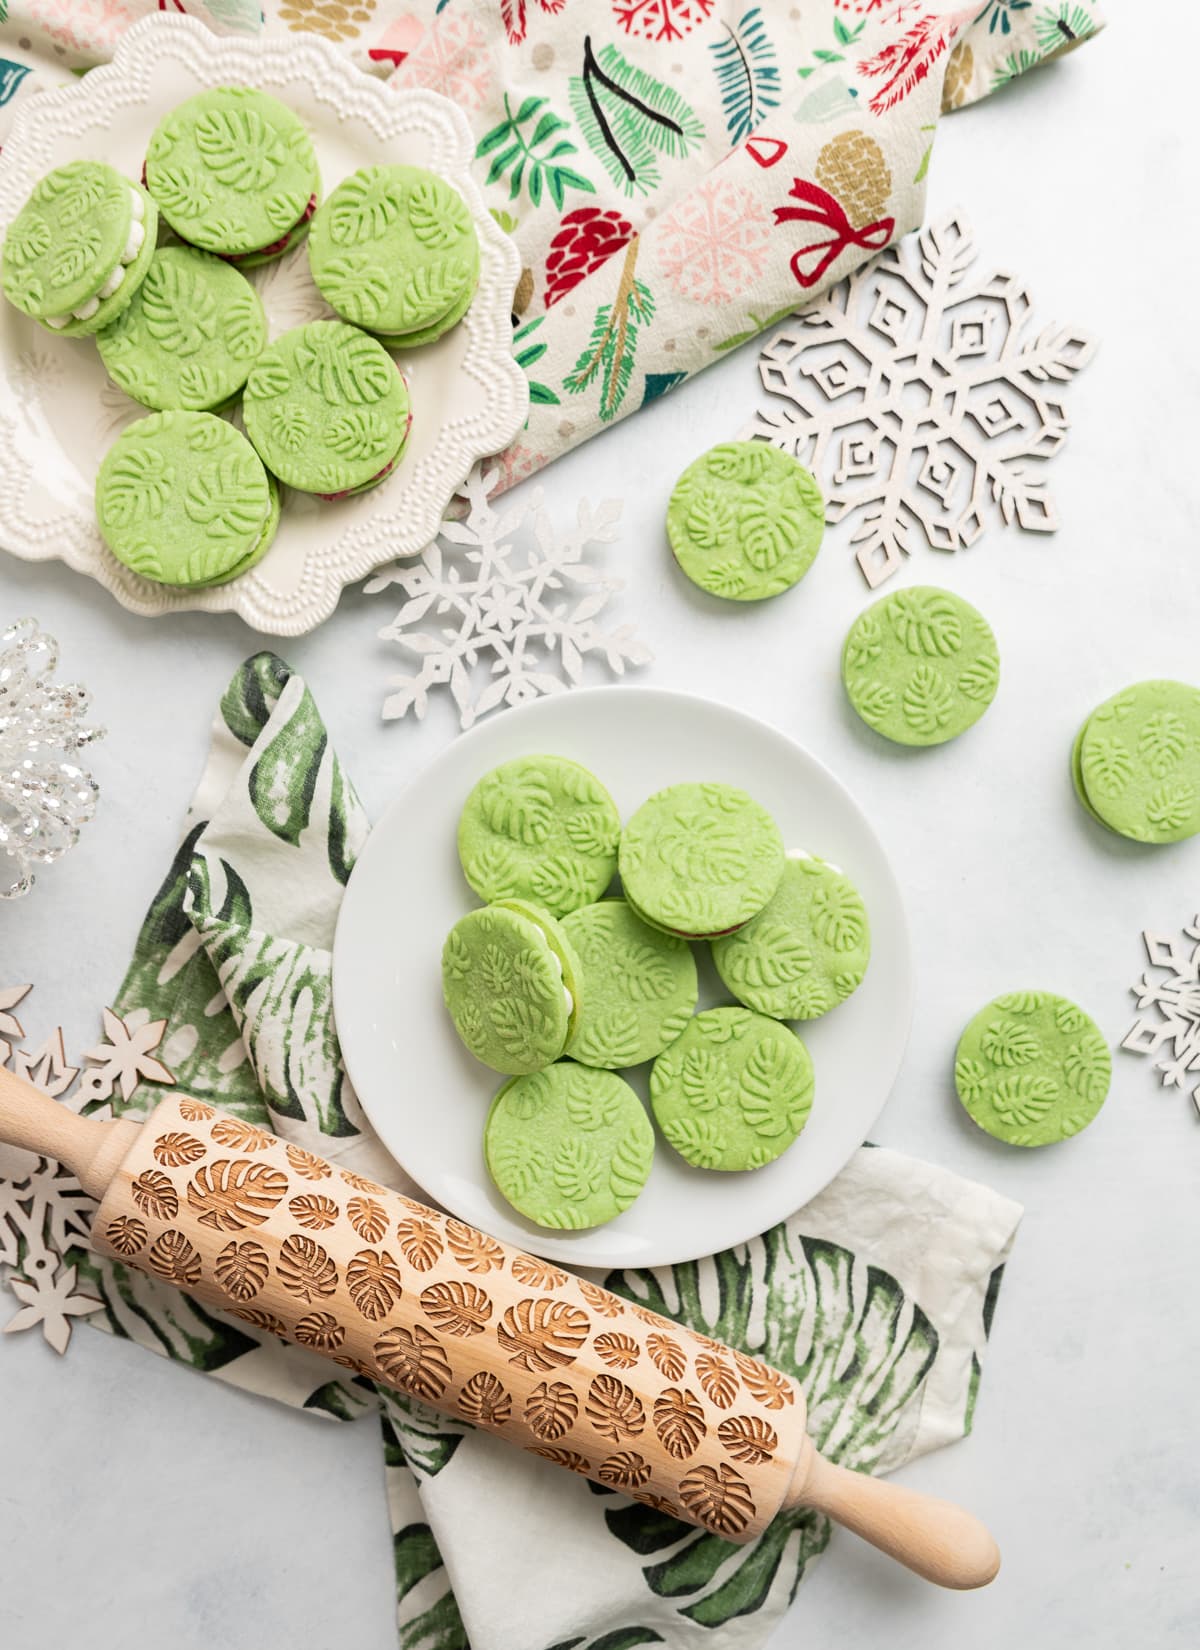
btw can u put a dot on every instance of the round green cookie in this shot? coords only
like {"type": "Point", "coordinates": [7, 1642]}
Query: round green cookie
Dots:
{"type": "Point", "coordinates": [1138, 762]}
{"type": "Point", "coordinates": [568, 1147]}
{"type": "Point", "coordinates": [734, 1091]}
{"type": "Point", "coordinates": [921, 666]}
{"type": "Point", "coordinates": [1031, 1068]}
{"type": "Point", "coordinates": [183, 499]}
{"type": "Point", "coordinates": [394, 249]}
{"type": "Point", "coordinates": [1077, 775]}
{"type": "Point", "coordinates": [327, 409]}
{"type": "Point", "coordinates": [540, 828]}
{"type": "Point", "coordinates": [805, 951]}
{"type": "Point", "coordinates": [234, 172]}
{"type": "Point", "coordinates": [745, 521]}
{"type": "Point", "coordinates": [700, 860]}
{"type": "Point", "coordinates": [637, 986]}
{"type": "Point", "coordinates": [190, 336]}
{"type": "Point", "coordinates": [79, 248]}
{"type": "Point", "coordinates": [509, 981]}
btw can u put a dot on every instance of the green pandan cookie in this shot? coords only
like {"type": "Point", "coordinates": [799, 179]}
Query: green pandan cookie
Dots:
{"type": "Point", "coordinates": [1136, 762]}
{"type": "Point", "coordinates": [700, 860]}
{"type": "Point", "coordinates": [569, 1147]}
{"type": "Point", "coordinates": [327, 409]}
{"type": "Point", "coordinates": [183, 499]}
{"type": "Point", "coordinates": [234, 172]}
{"type": "Point", "coordinates": [745, 521]}
{"type": "Point", "coordinates": [637, 986]}
{"type": "Point", "coordinates": [806, 951]}
{"type": "Point", "coordinates": [1031, 1068]}
{"type": "Point", "coordinates": [734, 1091]}
{"type": "Point", "coordinates": [540, 828]}
{"type": "Point", "coordinates": [394, 250]}
{"type": "Point", "coordinates": [190, 336]}
{"type": "Point", "coordinates": [509, 981]}
{"type": "Point", "coordinates": [921, 666]}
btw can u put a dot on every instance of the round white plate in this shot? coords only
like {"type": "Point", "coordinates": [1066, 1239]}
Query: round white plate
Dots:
{"type": "Point", "coordinates": [59, 413]}
{"type": "Point", "coordinates": [428, 1098]}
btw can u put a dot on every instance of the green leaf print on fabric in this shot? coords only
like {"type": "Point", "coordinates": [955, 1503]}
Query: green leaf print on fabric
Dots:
{"type": "Point", "coordinates": [284, 778]}
{"type": "Point", "coordinates": [426, 1441]}
{"type": "Point", "coordinates": [347, 824]}
{"type": "Point", "coordinates": [252, 695]}
{"type": "Point", "coordinates": [609, 354]}
{"type": "Point", "coordinates": [623, 1638]}
{"type": "Point", "coordinates": [526, 354]}
{"type": "Point", "coordinates": [747, 73]}
{"type": "Point", "coordinates": [629, 120]}
{"type": "Point", "coordinates": [529, 148]}
{"type": "Point", "coordinates": [439, 1626]}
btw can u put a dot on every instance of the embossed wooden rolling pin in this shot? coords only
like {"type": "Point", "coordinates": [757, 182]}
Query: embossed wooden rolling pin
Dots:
{"type": "Point", "coordinates": [421, 1302]}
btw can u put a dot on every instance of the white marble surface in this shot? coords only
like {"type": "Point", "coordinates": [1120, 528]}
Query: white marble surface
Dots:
{"type": "Point", "coordinates": [142, 1505]}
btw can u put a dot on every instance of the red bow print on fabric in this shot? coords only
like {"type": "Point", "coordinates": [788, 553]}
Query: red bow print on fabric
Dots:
{"type": "Point", "coordinates": [810, 262]}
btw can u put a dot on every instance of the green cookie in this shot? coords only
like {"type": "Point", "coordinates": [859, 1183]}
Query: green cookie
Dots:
{"type": "Point", "coordinates": [568, 1147]}
{"type": "Point", "coordinates": [79, 248]}
{"type": "Point", "coordinates": [1031, 1068]}
{"type": "Point", "coordinates": [540, 828]}
{"type": "Point", "coordinates": [806, 951]}
{"type": "Point", "coordinates": [1137, 762]}
{"type": "Point", "coordinates": [745, 521]}
{"type": "Point", "coordinates": [183, 499]}
{"type": "Point", "coordinates": [734, 1091]}
{"type": "Point", "coordinates": [190, 336]}
{"type": "Point", "coordinates": [921, 666]}
{"type": "Point", "coordinates": [394, 249]}
{"type": "Point", "coordinates": [637, 986]}
{"type": "Point", "coordinates": [327, 409]}
{"type": "Point", "coordinates": [234, 172]}
{"type": "Point", "coordinates": [1077, 775]}
{"type": "Point", "coordinates": [700, 860]}
{"type": "Point", "coordinates": [509, 981]}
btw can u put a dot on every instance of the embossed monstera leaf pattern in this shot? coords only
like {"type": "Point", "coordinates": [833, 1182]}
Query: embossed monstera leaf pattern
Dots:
{"type": "Point", "coordinates": [1032, 1068]}
{"type": "Point", "coordinates": [239, 147]}
{"type": "Point", "coordinates": [1137, 762]}
{"type": "Point", "coordinates": [179, 309]}
{"type": "Point", "coordinates": [139, 485]}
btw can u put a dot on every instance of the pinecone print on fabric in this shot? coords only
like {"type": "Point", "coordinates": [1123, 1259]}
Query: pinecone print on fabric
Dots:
{"type": "Point", "coordinates": [960, 70]}
{"type": "Point", "coordinates": [853, 169]}
{"type": "Point", "coordinates": [328, 17]}
{"type": "Point", "coordinates": [586, 238]}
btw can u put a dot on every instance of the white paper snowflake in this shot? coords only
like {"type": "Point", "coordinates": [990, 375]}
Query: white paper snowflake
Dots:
{"type": "Point", "coordinates": [44, 1211]}
{"type": "Point", "coordinates": [1168, 999]}
{"type": "Point", "coordinates": [499, 582]}
{"type": "Point", "coordinates": [45, 796]}
{"type": "Point", "coordinates": [917, 390]}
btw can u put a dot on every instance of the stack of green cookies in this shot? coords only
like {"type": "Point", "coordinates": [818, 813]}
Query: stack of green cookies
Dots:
{"type": "Point", "coordinates": [1136, 762]}
{"type": "Point", "coordinates": [559, 984]}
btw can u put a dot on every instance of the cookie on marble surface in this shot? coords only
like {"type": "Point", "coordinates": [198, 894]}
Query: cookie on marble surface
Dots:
{"type": "Point", "coordinates": [1031, 1068]}
{"type": "Point", "coordinates": [1136, 762]}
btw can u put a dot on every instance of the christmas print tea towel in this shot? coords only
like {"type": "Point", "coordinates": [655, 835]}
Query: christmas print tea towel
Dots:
{"type": "Point", "coordinates": [676, 173]}
{"type": "Point", "coordinates": [884, 1324]}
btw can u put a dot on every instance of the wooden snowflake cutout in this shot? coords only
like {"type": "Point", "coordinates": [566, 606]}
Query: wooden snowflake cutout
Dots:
{"type": "Point", "coordinates": [1168, 1000]}
{"type": "Point", "coordinates": [916, 391]}
{"type": "Point", "coordinates": [44, 1212]}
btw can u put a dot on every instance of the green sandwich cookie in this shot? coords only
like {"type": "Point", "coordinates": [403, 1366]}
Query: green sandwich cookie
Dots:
{"type": "Point", "coordinates": [569, 1147]}
{"type": "Point", "coordinates": [394, 250]}
{"type": "Point", "coordinates": [183, 499]}
{"type": "Point", "coordinates": [540, 828]}
{"type": "Point", "coordinates": [700, 860]}
{"type": "Point", "coordinates": [1031, 1068]}
{"type": "Point", "coordinates": [327, 409]}
{"type": "Point", "coordinates": [1136, 762]}
{"type": "Point", "coordinates": [637, 986]}
{"type": "Point", "coordinates": [921, 666]}
{"type": "Point", "coordinates": [508, 978]}
{"type": "Point", "coordinates": [190, 336]}
{"type": "Point", "coordinates": [745, 521]}
{"type": "Point", "coordinates": [734, 1091]}
{"type": "Point", "coordinates": [806, 951]}
{"type": "Point", "coordinates": [234, 172]}
{"type": "Point", "coordinates": [79, 248]}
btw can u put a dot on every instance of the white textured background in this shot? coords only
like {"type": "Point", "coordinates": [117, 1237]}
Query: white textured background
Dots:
{"type": "Point", "coordinates": [141, 1505]}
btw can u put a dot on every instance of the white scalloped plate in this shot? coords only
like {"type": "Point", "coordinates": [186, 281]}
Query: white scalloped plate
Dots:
{"type": "Point", "coordinates": [425, 1095]}
{"type": "Point", "coordinates": [59, 412]}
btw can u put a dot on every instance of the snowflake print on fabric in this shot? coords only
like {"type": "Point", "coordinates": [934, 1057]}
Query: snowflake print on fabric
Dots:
{"type": "Point", "coordinates": [661, 19]}
{"type": "Point", "coordinates": [915, 391]}
{"type": "Point", "coordinates": [487, 591]}
{"type": "Point", "coordinates": [713, 243]}
{"type": "Point", "coordinates": [1168, 1000]}
{"type": "Point", "coordinates": [453, 58]}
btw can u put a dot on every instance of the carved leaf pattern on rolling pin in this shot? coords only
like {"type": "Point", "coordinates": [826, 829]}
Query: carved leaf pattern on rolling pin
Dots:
{"type": "Point", "coordinates": [719, 1497]}
{"type": "Point", "coordinates": [472, 1249]}
{"type": "Point", "coordinates": [537, 1274]}
{"type": "Point", "coordinates": [374, 1282]}
{"type": "Point", "coordinates": [679, 1421]}
{"type": "Point", "coordinates": [614, 1409]}
{"type": "Point", "coordinates": [239, 1136]}
{"type": "Point", "coordinates": [175, 1259]}
{"type": "Point", "coordinates": [457, 1308]}
{"type": "Point", "coordinates": [175, 1149]}
{"type": "Point", "coordinates": [233, 1193]}
{"type": "Point", "coordinates": [764, 1383]}
{"type": "Point", "coordinates": [718, 1380]}
{"type": "Point", "coordinates": [569, 1458]}
{"type": "Point", "coordinates": [314, 1212]}
{"type": "Point", "coordinates": [485, 1398]}
{"type": "Point", "coordinates": [242, 1268]}
{"type": "Point", "coordinates": [413, 1360]}
{"type": "Point", "coordinates": [748, 1438]}
{"type": "Point", "coordinates": [617, 1351]}
{"type": "Point", "coordinates": [626, 1470]}
{"type": "Point", "coordinates": [306, 1164]}
{"type": "Point", "coordinates": [306, 1269]}
{"type": "Point", "coordinates": [667, 1356]}
{"type": "Point", "coordinates": [550, 1410]}
{"type": "Point", "coordinates": [420, 1243]}
{"type": "Point", "coordinates": [601, 1300]}
{"type": "Point", "coordinates": [542, 1334]}
{"type": "Point", "coordinates": [155, 1195]}
{"type": "Point", "coordinates": [368, 1218]}
{"type": "Point", "coordinates": [321, 1331]}
{"type": "Point", "coordinates": [126, 1234]}
{"type": "Point", "coordinates": [195, 1111]}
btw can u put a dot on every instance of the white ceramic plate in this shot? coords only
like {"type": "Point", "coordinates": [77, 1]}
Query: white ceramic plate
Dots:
{"type": "Point", "coordinates": [59, 412]}
{"type": "Point", "coordinates": [428, 1098]}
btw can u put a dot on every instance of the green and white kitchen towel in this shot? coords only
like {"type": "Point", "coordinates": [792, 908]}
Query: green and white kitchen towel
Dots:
{"type": "Point", "coordinates": [878, 1295]}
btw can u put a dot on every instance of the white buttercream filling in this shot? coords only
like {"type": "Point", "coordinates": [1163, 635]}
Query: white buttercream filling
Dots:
{"type": "Point", "coordinates": [557, 961]}
{"type": "Point", "coordinates": [133, 245]}
{"type": "Point", "coordinates": [798, 853]}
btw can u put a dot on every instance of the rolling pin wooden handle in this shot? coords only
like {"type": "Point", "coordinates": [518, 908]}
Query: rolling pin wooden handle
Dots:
{"type": "Point", "coordinates": [938, 1540]}
{"type": "Point", "coordinates": [92, 1148]}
